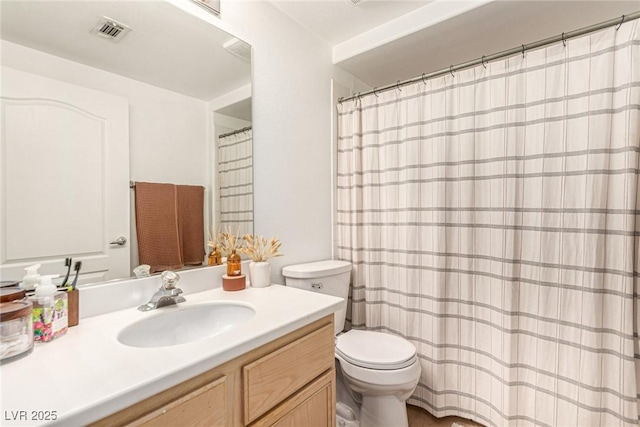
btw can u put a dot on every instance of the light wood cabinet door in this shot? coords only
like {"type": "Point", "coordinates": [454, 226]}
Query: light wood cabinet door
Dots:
{"type": "Point", "coordinates": [206, 407]}
{"type": "Point", "coordinates": [276, 376]}
{"type": "Point", "coordinates": [313, 406]}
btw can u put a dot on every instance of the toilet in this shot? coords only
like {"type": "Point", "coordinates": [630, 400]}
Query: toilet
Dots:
{"type": "Point", "coordinates": [376, 372]}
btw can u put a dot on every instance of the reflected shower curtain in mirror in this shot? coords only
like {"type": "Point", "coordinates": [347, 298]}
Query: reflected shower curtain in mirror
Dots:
{"type": "Point", "coordinates": [235, 177]}
{"type": "Point", "coordinates": [492, 220]}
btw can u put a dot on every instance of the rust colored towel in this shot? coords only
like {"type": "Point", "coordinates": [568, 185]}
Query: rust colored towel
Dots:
{"type": "Point", "coordinates": [157, 226]}
{"type": "Point", "coordinates": [191, 223]}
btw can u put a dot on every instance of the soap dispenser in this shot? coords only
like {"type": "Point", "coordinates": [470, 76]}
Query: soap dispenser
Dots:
{"type": "Point", "coordinates": [32, 278]}
{"type": "Point", "coordinates": [50, 311]}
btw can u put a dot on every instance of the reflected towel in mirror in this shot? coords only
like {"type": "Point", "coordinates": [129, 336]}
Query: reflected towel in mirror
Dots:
{"type": "Point", "coordinates": [169, 225]}
{"type": "Point", "coordinates": [191, 223]}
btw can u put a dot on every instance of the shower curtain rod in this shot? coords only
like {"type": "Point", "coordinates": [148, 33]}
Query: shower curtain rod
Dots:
{"type": "Point", "coordinates": [244, 129]}
{"type": "Point", "coordinates": [485, 59]}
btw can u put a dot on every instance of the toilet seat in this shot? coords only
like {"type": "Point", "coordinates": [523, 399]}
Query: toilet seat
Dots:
{"type": "Point", "coordinates": [375, 350]}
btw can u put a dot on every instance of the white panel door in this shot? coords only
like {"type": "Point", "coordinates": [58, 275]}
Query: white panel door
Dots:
{"type": "Point", "coordinates": [64, 175]}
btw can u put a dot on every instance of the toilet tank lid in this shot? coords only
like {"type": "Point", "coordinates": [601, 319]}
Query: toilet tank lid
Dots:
{"type": "Point", "coordinates": [316, 269]}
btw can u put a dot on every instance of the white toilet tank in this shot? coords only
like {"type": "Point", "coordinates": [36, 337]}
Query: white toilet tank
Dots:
{"type": "Point", "coordinates": [329, 277]}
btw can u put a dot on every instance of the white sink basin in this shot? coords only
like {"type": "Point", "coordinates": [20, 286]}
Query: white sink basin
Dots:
{"type": "Point", "coordinates": [180, 325]}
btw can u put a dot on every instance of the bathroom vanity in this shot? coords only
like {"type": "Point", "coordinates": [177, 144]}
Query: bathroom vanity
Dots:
{"type": "Point", "coordinates": [289, 381]}
{"type": "Point", "coordinates": [276, 368]}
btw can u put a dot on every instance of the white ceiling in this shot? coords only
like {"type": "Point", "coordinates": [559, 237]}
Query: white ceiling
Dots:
{"type": "Point", "coordinates": [434, 35]}
{"type": "Point", "coordinates": [338, 20]}
{"type": "Point", "coordinates": [166, 47]}
{"type": "Point", "coordinates": [378, 41]}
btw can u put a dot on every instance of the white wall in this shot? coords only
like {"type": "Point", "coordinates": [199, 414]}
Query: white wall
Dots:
{"type": "Point", "coordinates": [168, 131]}
{"type": "Point", "coordinates": [291, 99]}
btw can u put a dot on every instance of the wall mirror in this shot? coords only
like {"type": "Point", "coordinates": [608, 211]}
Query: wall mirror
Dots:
{"type": "Point", "coordinates": [97, 95]}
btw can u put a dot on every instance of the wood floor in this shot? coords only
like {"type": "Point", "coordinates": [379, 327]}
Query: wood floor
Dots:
{"type": "Point", "coordinates": [418, 417]}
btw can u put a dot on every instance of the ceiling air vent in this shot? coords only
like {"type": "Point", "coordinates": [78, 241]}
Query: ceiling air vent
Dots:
{"type": "Point", "coordinates": [110, 29]}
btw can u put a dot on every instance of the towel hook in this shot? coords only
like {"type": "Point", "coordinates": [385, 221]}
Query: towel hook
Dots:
{"type": "Point", "coordinates": [620, 24]}
{"type": "Point", "coordinates": [564, 41]}
{"type": "Point", "coordinates": [483, 64]}
{"type": "Point", "coordinates": [451, 71]}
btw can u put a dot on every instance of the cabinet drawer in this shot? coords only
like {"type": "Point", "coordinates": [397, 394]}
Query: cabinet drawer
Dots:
{"type": "Point", "coordinates": [206, 406]}
{"type": "Point", "coordinates": [271, 379]}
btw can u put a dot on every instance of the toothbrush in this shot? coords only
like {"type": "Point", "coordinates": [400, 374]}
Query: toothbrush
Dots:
{"type": "Point", "coordinates": [76, 268]}
{"type": "Point", "coordinates": [67, 263]}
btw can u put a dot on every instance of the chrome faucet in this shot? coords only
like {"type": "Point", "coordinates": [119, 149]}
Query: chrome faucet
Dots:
{"type": "Point", "coordinates": [168, 294]}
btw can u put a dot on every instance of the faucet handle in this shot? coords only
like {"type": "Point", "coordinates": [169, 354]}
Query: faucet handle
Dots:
{"type": "Point", "coordinates": [169, 279]}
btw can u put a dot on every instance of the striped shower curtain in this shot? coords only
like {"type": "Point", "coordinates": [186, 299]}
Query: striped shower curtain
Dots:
{"type": "Point", "coordinates": [235, 177]}
{"type": "Point", "coordinates": [492, 218]}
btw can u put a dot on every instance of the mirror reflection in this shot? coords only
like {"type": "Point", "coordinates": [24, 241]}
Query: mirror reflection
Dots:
{"type": "Point", "coordinates": [97, 95]}
{"type": "Point", "coordinates": [234, 186]}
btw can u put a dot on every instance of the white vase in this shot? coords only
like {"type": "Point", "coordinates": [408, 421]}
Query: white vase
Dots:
{"type": "Point", "coordinates": [260, 274]}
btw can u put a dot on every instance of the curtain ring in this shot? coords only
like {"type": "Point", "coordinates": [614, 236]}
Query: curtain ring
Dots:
{"type": "Point", "coordinates": [564, 41]}
{"type": "Point", "coordinates": [451, 71]}
{"type": "Point", "coordinates": [374, 91]}
{"type": "Point", "coordinates": [398, 86]}
{"type": "Point", "coordinates": [620, 24]}
{"type": "Point", "coordinates": [423, 80]}
{"type": "Point", "coordinates": [340, 99]}
{"type": "Point", "coordinates": [356, 98]}
{"type": "Point", "coordinates": [483, 64]}
{"type": "Point", "coordinates": [523, 51]}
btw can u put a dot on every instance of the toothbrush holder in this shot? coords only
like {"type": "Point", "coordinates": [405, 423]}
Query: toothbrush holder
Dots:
{"type": "Point", "coordinates": [73, 298]}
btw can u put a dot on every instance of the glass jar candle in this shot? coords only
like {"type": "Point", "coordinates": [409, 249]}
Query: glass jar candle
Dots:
{"type": "Point", "coordinates": [16, 325]}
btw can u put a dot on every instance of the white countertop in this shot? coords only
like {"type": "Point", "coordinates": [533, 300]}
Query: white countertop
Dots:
{"type": "Point", "coordinates": [87, 374]}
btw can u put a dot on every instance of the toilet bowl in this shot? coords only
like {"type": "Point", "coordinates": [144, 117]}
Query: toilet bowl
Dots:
{"type": "Point", "coordinates": [380, 370]}
{"type": "Point", "coordinates": [384, 370]}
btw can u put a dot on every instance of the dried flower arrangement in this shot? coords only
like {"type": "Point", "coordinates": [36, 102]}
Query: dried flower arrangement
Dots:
{"type": "Point", "coordinates": [258, 249]}
{"type": "Point", "coordinates": [228, 242]}
{"type": "Point", "coordinates": [214, 239]}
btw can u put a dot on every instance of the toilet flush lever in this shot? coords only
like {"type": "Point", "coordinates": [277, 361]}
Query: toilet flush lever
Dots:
{"type": "Point", "coordinates": [318, 285]}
